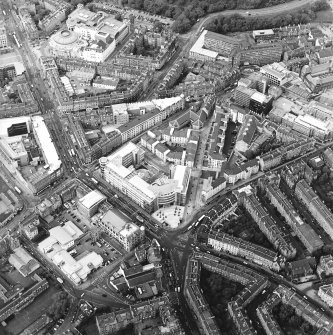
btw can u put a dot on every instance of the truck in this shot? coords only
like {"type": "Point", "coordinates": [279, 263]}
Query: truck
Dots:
{"type": "Point", "coordinates": [60, 280]}
{"type": "Point", "coordinates": [94, 181]}
{"type": "Point", "coordinates": [17, 190]}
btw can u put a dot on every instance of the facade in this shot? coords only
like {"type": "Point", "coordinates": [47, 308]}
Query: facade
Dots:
{"type": "Point", "coordinates": [96, 26]}
{"type": "Point", "coordinates": [325, 293]}
{"type": "Point", "coordinates": [3, 37]}
{"type": "Point", "coordinates": [239, 247]}
{"type": "Point", "coordinates": [88, 205]}
{"type": "Point", "coordinates": [127, 233]}
{"type": "Point", "coordinates": [24, 299]}
{"type": "Point", "coordinates": [317, 208]}
{"type": "Point", "coordinates": [277, 75]}
{"type": "Point", "coordinates": [272, 231]}
{"type": "Point", "coordinates": [303, 231]}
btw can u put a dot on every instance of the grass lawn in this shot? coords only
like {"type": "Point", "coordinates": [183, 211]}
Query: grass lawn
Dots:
{"type": "Point", "coordinates": [31, 313]}
{"type": "Point", "coordinates": [324, 16]}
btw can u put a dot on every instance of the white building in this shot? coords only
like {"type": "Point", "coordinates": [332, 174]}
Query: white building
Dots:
{"type": "Point", "coordinates": [122, 229]}
{"type": "Point", "coordinates": [88, 205]}
{"type": "Point", "coordinates": [62, 237]}
{"type": "Point", "coordinates": [199, 53]}
{"type": "Point", "coordinates": [276, 74]}
{"type": "Point", "coordinates": [326, 294]}
{"type": "Point", "coordinates": [98, 26]}
{"type": "Point", "coordinates": [76, 270]}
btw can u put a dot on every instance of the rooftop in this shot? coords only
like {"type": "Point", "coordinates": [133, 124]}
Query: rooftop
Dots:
{"type": "Point", "coordinates": [92, 198]}
{"type": "Point", "coordinates": [49, 151]}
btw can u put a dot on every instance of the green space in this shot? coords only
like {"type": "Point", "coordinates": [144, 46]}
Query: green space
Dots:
{"type": "Point", "coordinates": [323, 185]}
{"type": "Point", "coordinates": [324, 16]}
{"type": "Point", "coordinates": [243, 226]}
{"type": "Point", "coordinates": [237, 23]}
{"type": "Point", "coordinates": [31, 313]}
{"type": "Point", "coordinates": [290, 323]}
{"type": "Point", "coordinates": [218, 291]}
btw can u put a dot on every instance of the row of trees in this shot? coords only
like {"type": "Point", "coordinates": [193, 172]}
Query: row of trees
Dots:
{"type": "Point", "coordinates": [186, 12]}
{"type": "Point", "coordinates": [290, 322]}
{"type": "Point", "coordinates": [218, 291]}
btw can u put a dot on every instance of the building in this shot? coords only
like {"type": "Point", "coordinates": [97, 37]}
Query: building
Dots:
{"type": "Point", "coordinates": [3, 37]}
{"type": "Point", "coordinates": [303, 231]}
{"type": "Point", "coordinates": [31, 231]}
{"type": "Point", "coordinates": [266, 224]}
{"type": "Point", "coordinates": [24, 299]}
{"type": "Point", "coordinates": [239, 247]}
{"type": "Point", "coordinates": [325, 265]}
{"type": "Point", "coordinates": [23, 262]}
{"type": "Point", "coordinates": [246, 133]}
{"type": "Point", "coordinates": [120, 227]}
{"type": "Point", "coordinates": [303, 268]}
{"type": "Point", "coordinates": [88, 205]}
{"type": "Point", "coordinates": [328, 157]}
{"type": "Point", "coordinates": [52, 169]}
{"type": "Point", "coordinates": [49, 206]}
{"type": "Point", "coordinates": [263, 35]}
{"type": "Point", "coordinates": [37, 326]}
{"type": "Point", "coordinates": [277, 75]}
{"type": "Point", "coordinates": [198, 52]}
{"type": "Point", "coordinates": [325, 293]}
{"type": "Point", "coordinates": [119, 171]}
{"type": "Point", "coordinates": [317, 208]}
{"type": "Point", "coordinates": [225, 46]}
{"type": "Point", "coordinates": [109, 323]}
{"type": "Point", "coordinates": [77, 269]}
{"type": "Point", "coordinates": [96, 26]}
{"type": "Point", "coordinates": [60, 237]}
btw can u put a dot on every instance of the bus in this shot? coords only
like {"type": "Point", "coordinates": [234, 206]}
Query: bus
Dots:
{"type": "Point", "coordinates": [17, 190]}
{"type": "Point", "coordinates": [94, 181]}
{"type": "Point", "coordinates": [60, 280]}
{"type": "Point", "coordinates": [16, 41]}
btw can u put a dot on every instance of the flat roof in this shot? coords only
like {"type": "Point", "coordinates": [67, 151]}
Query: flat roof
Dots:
{"type": "Point", "coordinates": [124, 150]}
{"type": "Point", "coordinates": [258, 96]}
{"type": "Point", "coordinates": [49, 151]}
{"type": "Point", "coordinates": [263, 32]}
{"type": "Point", "coordinates": [92, 198]}
{"type": "Point", "coordinates": [129, 229]}
{"type": "Point", "coordinates": [61, 235]}
{"type": "Point", "coordinates": [8, 122]}
{"type": "Point", "coordinates": [179, 176]}
{"type": "Point", "coordinates": [143, 186]}
{"type": "Point", "coordinates": [12, 58]}
{"type": "Point", "coordinates": [198, 47]}
{"type": "Point", "coordinates": [118, 222]}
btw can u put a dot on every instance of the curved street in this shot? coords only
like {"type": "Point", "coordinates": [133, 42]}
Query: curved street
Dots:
{"type": "Point", "coordinates": [274, 10]}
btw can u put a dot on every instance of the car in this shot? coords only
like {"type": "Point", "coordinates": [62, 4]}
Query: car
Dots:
{"type": "Point", "coordinates": [104, 295]}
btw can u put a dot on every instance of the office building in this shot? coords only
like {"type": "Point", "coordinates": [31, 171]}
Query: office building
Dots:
{"type": "Point", "coordinates": [277, 74]}
{"type": "Point", "coordinates": [60, 237]}
{"type": "Point", "coordinates": [88, 205]}
{"type": "Point", "coordinates": [3, 37]}
{"type": "Point", "coordinates": [121, 228]}
{"type": "Point", "coordinates": [96, 26]}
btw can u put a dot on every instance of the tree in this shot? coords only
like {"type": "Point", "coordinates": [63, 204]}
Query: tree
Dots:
{"type": "Point", "coordinates": [59, 305]}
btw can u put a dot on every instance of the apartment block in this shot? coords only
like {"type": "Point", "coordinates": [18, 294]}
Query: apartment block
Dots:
{"type": "Point", "coordinates": [267, 225]}
{"type": "Point", "coordinates": [222, 44]}
{"type": "Point", "coordinates": [239, 247]}
{"type": "Point", "coordinates": [303, 231]}
{"type": "Point", "coordinates": [317, 208]}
